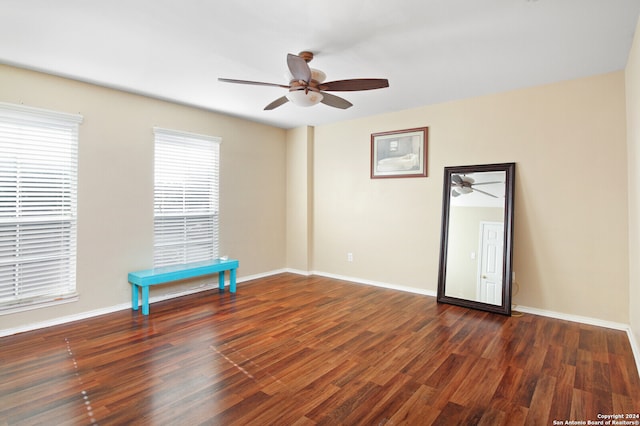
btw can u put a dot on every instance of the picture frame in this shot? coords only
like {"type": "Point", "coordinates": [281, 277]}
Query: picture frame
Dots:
{"type": "Point", "coordinates": [399, 153]}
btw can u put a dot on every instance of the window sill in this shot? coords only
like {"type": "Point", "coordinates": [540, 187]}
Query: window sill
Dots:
{"type": "Point", "coordinates": [37, 304]}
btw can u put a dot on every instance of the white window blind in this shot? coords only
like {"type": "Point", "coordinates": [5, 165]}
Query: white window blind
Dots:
{"type": "Point", "coordinates": [186, 217]}
{"type": "Point", "coordinates": [38, 197]}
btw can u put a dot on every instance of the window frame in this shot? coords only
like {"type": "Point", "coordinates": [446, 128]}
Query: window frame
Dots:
{"type": "Point", "coordinates": [38, 213]}
{"type": "Point", "coordinates": [192, 209]}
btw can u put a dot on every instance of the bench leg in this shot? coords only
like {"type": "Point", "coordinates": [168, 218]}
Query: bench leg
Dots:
{"type": "Point", "coordinates": [145, 300]}
{"type": "Point", "coordinates": [221, 280]}
{"type": "Point", "coordinates": [232, 280]}
{"type": "Point", "coordinates": [134, 297]}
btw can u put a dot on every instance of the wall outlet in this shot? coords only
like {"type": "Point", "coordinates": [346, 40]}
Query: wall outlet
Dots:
{"type": "Point", "coordinates": [349, 257]}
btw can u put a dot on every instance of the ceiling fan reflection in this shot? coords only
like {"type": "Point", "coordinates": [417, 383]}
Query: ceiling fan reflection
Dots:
{"type": "Point", "coordinates": [461, 185]}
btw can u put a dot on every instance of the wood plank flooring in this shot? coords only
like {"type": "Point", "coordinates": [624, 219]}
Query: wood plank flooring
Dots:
{"type": "Point", "coordinates": [294, 350]}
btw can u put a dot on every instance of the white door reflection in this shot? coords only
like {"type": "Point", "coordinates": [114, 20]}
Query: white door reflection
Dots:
{"type": "Point", "coordinates": [476, 237]}
{"type": "Point", "coordinates": [490, 263]}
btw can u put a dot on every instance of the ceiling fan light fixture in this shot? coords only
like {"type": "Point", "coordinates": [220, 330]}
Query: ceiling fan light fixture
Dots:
{"type": "Point", "coordinates": [305, 98]}
{"type": "Point", "coordinates": [318, 75]}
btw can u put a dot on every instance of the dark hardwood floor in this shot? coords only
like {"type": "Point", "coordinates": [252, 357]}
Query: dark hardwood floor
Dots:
{"type": "Point", "coordinates": [289, 350]}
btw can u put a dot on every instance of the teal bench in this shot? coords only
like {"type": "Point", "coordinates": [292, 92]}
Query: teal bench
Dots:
{"type": "Point", "coordinates": [143, 279]}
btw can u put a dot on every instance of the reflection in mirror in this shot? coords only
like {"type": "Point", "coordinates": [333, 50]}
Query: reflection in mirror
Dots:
{"type": "Point", "coordinates": [477, 229]}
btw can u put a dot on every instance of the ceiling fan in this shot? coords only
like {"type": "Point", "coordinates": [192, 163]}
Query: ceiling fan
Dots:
{"type": "Point", "coordinates": [307, 86]}
{"type": "Point", "coordinates": [461, 185]}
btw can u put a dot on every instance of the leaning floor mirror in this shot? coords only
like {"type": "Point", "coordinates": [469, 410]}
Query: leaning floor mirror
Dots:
{"type": "Point", "coordinates": [476, 246]}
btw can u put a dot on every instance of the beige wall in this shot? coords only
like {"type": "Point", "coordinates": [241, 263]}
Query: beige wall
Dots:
{"type": "Point", "coordinates": [115, 194]}
{"type": "Point", "coordinates": [303, 198]}
{"type": "Point", "coordinates": [633, 139]}
{"type": "Point", "coordinates": [569, 142]}
{"type": "Point", "coordinates": [299, 160]}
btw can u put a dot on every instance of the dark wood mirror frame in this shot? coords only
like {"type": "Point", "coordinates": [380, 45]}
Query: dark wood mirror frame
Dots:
{"type": "Point", "coordinates": [509, 169]}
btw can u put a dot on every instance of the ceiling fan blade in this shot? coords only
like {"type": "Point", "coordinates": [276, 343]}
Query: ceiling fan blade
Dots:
{"type": "Point", "coordinates": [483, 192]}
{"type": "Point", "coordinates": [354, 84]}
{"type": "Point", "coordinates": [276, 103]}
{"type": "Point", "coordinates": [298, 68]}
{"type": "Point", "coordinates": [335, 101]}
{"type": "Point", "coordinates": [255, 83]}
{"type": "Point", "coordinates": [487, 183]}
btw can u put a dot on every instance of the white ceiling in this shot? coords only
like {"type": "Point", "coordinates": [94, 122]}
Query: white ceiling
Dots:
{"type": "Point", "coordinates": [431, 51]}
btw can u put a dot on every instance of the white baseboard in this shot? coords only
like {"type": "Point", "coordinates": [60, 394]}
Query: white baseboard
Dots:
{"type": "Point", "coordinates": [573, 318]}
{"type": "Point", "coordinates": [534, 311]}
{"type": "Point", "coordinates": [261, 275]}
{"type": "Point", "coordinates": [63, 320]}
{"type": "Point", "coordinates": [635, 348]}
{"type": "Point", "coordinates": [123, 306]}
{"type": "Point", "coordinates": [399, 287]}
{"type": "Point", "coordinates": [298, 272]}
{"type": "Point", "coordinates": [590, 321]}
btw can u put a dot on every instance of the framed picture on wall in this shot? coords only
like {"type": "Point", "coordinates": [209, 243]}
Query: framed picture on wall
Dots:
{"type": "Point", "coordinates": [400, 153]}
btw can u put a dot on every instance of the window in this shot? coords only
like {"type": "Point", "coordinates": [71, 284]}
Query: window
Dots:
{"type": "Point", "coordinates": [38, 194]}
{"type": "Point", "coordinates": [185, 197]}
